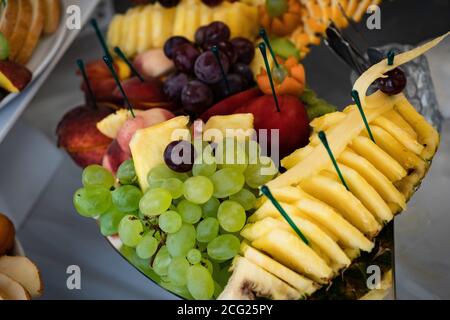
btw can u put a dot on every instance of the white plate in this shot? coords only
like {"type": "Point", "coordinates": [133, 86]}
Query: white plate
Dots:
{"type": "Point", "coordinates": [44, 53]}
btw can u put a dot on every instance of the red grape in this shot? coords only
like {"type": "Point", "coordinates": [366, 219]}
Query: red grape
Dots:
{"type": "Point", "coordinates": [217, 31]}
{"type": "Point", "coordinates": [184, 57]}
{"type": "Point", "coordinates": [174, 84]}
{"type": "Point", "coordinates": [235, 82]}
{"type": "Point", "coordinates": [200, 35]}
{"type": "Point", "coordinates": [212, 3]}
{"type": "Point", "coordinates": [169, 3]}
{"type": "Point", "coordinates": [225, 47]}
{"type": "Point", "coordinates": [179, 156]}
{"type": "Point", "coordinates": [196, 97]}
{"type": "Point", "coordinates": [394, 83]}
{"type": "Point", "coordinates": [207, 69]}
{"type": "Point", "coordinates": [244, 49]}
{"type": "Point", "coordinates": [172, 43]}
{"type": "Point", "coordinates": [245, 72]}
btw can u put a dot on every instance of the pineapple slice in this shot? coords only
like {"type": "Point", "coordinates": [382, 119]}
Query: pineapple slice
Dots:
{"type": "Point", "coordinates": [291, 251]}
{"type": "Point", "coordinates": [148, 145]}
{"type": "Point", "coordinates": [134, 32]}
{"type": "Point", "coordinates": [428, 136]}
{"type": "Point", "coordinates": [268, 210]}
{"type": "Point", "coordinates": [144, 30]}
{"type": "Point", "coordinates": [398, 133]}
{"type": "Point", "coordinates": [374, 177]}
{"type": "Point", "coordinates": [286, 194]}
{"type": "Point", "coordinates": [193, 18]}
{"type": "Point", "coordinates": [327, 120]}
{"type": "Point", "coordinates": [396, 118]}
{"type": "Point", "coordinates": [298, 155]}
{"type": "Point", "coordinates": [238, 125]}
{"type": "Point", "coordinates": [179, 21]}
{"type": "Point", "coordinates": [111, 125]}
{"type": "Point", "coordinates": [335, 194]}
{"type": "Point", "coordinates": [365, 193]}
{"type": "Point", "coordinates": [205, 14]}
{"type": "Point", "coordinates": [327, 217]}
{"type": "Point", "coordinates": [162, 24]}
{"type": "Point", "coordinates": [379, 158]}
{"type": "Point", "coordinates": [339, 137]}
{"type": "Point", "coordinates": [114, 31]}
{"type": "Point", "coordinates": [303, 285]}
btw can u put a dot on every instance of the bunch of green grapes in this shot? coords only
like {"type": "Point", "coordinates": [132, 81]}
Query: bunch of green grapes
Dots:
{"type": "Point", "coordinates": [186, 224]}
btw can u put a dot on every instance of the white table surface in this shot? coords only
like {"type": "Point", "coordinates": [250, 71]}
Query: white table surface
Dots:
{"type": "Point", "coordinates": [55, 236]}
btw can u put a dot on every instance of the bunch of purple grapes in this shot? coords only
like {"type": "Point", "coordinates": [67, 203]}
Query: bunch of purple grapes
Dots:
{"type": "Point", "coordinates": [199, 81]}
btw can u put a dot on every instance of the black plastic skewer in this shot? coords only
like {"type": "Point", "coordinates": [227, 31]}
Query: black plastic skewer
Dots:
{"type": "Point", "coordinates": [262, 48]}
{"type": "Point", "coordinates": [80, 64]}
{"type": "Point", "coordinates": [323, 138]}
{"type": "Point", "coordinates": [129, 64]}
{"type": "Point", "coordinates": [215, 51]}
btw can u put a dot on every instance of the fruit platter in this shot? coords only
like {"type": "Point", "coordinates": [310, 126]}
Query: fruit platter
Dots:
{"type": "Point", "coordinates": [214, 169]}
{"type": "Point", "coordinates": [28, 38]}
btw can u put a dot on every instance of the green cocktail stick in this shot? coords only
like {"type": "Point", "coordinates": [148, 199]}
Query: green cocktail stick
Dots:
{"type": "Point", "coordinates": [109, 63]}
{"type": "Point", "coordinates": [100, 38]}
{"type": "Point", "coordinates": [323, 138]}
{"type": "Point", "coordinates": [390, 57]}
{"type": "Point", "coordinates": [129, 64]}
{"type": "Point", "coordinates": [215, 51]}
{"type": "Point", "coordinates": [262, 48]}
{"type": "Point", "coordinates": [80, 64]}
{"type": "Point", "coordinates": [266, 191]}
{"type": "Point", "coordinates": [357, 101]}
{"type": "Point", "coordinates": [263, 34]}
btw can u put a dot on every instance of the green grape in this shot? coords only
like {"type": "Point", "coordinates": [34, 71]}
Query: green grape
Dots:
{"type": "Point", "coordinates": [198, 189]}
{"type": "Point", "coordinates": [202, 246]}
{"type": "Point", "coordinates": [253, 151]}
{"type": "Point", "coordinates": [92, 201]}
{"type": "Point", "coordinates": [210, 207]}
{"type": "Point", "coordinates": [173, 185]}
{"type": "Point", "coordinates": [224, 247]}
{"type": "Point", "coordinates": [231, 216]}
{"type": "Point", "coordinates": [177, 272]}
{"type": "Point", "coordinates": [130, 230]}
{"type": "Point", "coordinates": [194, 256]}
{"type": "Point", "coordinates": [155, 202]}
{"type": "Point", "coordinates": [207, 230]}
{"type": "Point", "coordinates": [162, 261]}
{"type": "Point", "coordinates": [230, 153]}
{"type": "Point", "coordinates": [170, 221]}
{"type": "Point", "coordinates": [246, 199]}
{"type": "Point", "coordinates": [147, 246]}
{"type": "Point", "coordinates": [207, 264]}
{"type": "Point", "coordinates": [190, 212]}
{"type": "Point", "coordinates": [95, 175]}
{"type": "Point", "coordinates": [109, 221]}
{"type": "Point", "coordinates": [200, 282]}
{"type": "Point", "coordinates": [260, 173]}
{"type": "Point", "coordinates": [180, 242]}
{"type": "Point", "coordinates": [162, 172]}
{"type": "Point", "coordinates": [127, 173]}
{"type": "Point", "coordinates": [126, 198]}
{"type": "Point", "coordinates": [226, 182]}
{"type": "Point", "coordinates": [206, 165]}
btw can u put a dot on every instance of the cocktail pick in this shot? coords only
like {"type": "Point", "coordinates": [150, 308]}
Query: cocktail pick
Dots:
{"type": "Point", "coordinates": [100, 38]}
{"type": "Point", "coordinates": [323, 138]}
{"type": "Point", "coordinates": [262, 48]}
{"type": "Point", "coordinates": [109, 63]}
{"type": "Point", "coordinates": [129, 64]}
{"type": "Point", "coordinates": [266, 191]}
{"type": "Point", "coordinates": [263, 34]}
{"type": "Point", "coordinates": [80, 64]}
{"type": "Point", "coordinates": [357, 101]}
{"type": "Point", "coordinates": [390, 57]}
{"type": "Point", "coordinates": [215, 51]}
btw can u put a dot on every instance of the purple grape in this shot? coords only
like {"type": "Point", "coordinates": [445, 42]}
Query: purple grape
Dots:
{"type": "Point", "coordinates": [200, 35]}
{"type": "Point", "coordinates": [212, 3]}
{"type": "Point", "coordinates": [173, 85]}
{"type": "Point", "coordinates": [179, 156]}
{"type": "Point", "coordinates": [196, 97]}
{"type": "Point", "coordinates": [172, 43]}
{"type": "Point", "coordinates": [235, 82]}
{"type": "Point", "coordinates": [244, 49]}
{"type": "Point", "coordinates": [394, 83]}
{"type": "Point", "coordinates": [169, 3]}
{"type": "Point", "coordinates": [207, 69]}
{"type": "Point", "coordinates": [217, 31]}
{"type": "Point", "coordinates": [184, 57]}
{"type": "Point", "coordinates": [225, 47]}
{"type": "Point", "coordinates": [245, 72]}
